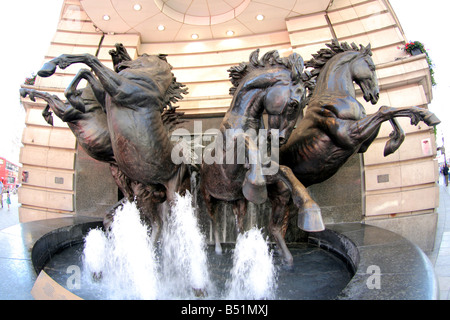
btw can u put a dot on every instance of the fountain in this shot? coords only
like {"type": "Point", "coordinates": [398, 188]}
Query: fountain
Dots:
{"type": "Point", "coordinates": [130, 267]}
{"type": "Point", "coordinates": [253, 275]}
{"type": "Point", "coordinates": [123, 264]}
{"type": "Point", "coordinates": [153, 243]}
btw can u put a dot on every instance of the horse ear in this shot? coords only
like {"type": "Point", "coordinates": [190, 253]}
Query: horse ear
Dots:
{"type": "Point", "coordinates": [254, 56]}
{"type": "Point", "coordinates": [367, 50]}
{"type": "Point", "coordinates": [296, 63]}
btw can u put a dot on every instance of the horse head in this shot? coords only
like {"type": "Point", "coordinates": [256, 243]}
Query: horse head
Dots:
{"type": "Point", "coordinates": [283, 107]}
{"type": "Point", "coordinates": [278, 83]}
{"type": "Point", "coordinates": [363, 73]}
{"type": "Point", "coordinates": [153, 72]}
{"type": "Point", "coordinates": [285, 101]}
{"type": "Point", "coordinates": [341, 64]}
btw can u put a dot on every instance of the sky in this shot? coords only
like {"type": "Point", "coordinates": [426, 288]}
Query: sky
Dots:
{"type": "Point", "coordinates": [29, 26]}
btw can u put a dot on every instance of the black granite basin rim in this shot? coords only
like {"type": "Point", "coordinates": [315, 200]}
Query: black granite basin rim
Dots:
{"type": "Point", "coordinates": [339, 245]}
{"type": "Point", "coordinates": [387, 266]}
{"type": "Point", "coordinates": [59, 239]}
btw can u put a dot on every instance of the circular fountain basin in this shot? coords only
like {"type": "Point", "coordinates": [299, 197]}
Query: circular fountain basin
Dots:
{"type": "Point", "coordinates": [350, 251]}
{"type": "Point", "coordinates": [317, 273]}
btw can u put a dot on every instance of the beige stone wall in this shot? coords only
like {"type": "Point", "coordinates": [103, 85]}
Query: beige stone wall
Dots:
{"type": "Point", "coordinates": [398, 185]}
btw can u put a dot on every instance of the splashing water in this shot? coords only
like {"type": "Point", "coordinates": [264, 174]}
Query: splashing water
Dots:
{"type": "Point", "coordinates": [184, 259]}
{"type": "Point", "coordinates": [124, 261]}
{"type": "Point", "coordinates": [253, 275]}
{"type": "Point", "coordinates": [124, 258]}
{"type": "Point", "coordinates": [124, 264]}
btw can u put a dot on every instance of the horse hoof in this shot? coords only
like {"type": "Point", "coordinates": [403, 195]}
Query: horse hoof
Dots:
{"type": "Point", "coordinates": [310, 219]}
{"type": "Point", "coordinates": [29, 93]}
{"type": "Point", "coordinates": [392, 145]}
{"type": "Point", "coordinates": [47, 70]}
{"type": "Point", "coordinates": [256, 194]}
{"type": "Point", "coordinates": [431, 120]}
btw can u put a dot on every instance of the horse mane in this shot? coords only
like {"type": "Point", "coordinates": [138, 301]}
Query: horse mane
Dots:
{"type": "Point", "coordinates": [324, 55]}
{"type": "Point", "coordinates": [293, 63]}
{"type": "Point", "coordinates": [171, 118]}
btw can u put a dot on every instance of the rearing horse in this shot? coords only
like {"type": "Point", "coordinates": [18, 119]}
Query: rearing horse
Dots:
{"type": "Point", "coordinates": [274, 85]}
{"type": "Point", "coordinates": [335, 125]}
{"type": "Point", "coordinates": [85, 115]}
{"type": "Point", "coordinates": [135, 98]}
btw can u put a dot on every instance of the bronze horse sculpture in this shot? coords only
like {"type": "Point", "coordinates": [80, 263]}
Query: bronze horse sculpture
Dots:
{"type": "Point", "coordinates": [137, 94]}
{"type": "Point", "coordinates": [119, 119]}
{"type": "Point", "coordinates": [86, 117]}
{"type": "Point", "coordinates": [272, 85]}
{"type": "Point", "coordinates": [335, 125]}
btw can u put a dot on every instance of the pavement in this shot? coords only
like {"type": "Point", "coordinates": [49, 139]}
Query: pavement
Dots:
{"type": "Point", "coordinates": [439, 257]}
{"type": "Point", "coordinates": [9, 217]}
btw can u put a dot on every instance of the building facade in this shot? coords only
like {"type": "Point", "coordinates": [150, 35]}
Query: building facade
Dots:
{"type": "Point", "coordinates": [398, 192]}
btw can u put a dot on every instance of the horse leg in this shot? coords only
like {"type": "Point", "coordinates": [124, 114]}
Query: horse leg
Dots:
{"type": "Point", "coordinates": [239, 210]}
{"type": "Point", "coordinates": [369, 124]}
{"type": "Point", "coordinates": [279, 217]}
{"type": "Point", "coordinates": [109, 216]}
{"type": "Point", "coordinates": [395, 138]}
{"type": "Point", "coordinates": [109, 79]}
{"type": "Point", "coordinates": [63, 110]}
{"type": "Point", "coordinates": [350, 133]}
{"type": "Point", "coordinates": [122, 181]}
{"type": "Point", "coordinates": [74, 96]}
{"type": "Point", "coordinates": [386, 113]}
{"type": "Point", "coordinates": [366, 144]}
{"type": "Point", "coordinates": [309, 215]}
{"type": "Point", "coordinates": [157, 222]}
{"type": "Point", "coordinates": [254, 185]}
{"type": "Point", "coordinates": [148, 207]}
{"type": "Point", "coordinates": [209, 203]}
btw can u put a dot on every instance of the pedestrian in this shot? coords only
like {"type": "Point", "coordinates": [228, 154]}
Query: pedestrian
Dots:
{"type": "Point", "coordinates": [445, 172]}
{"type": "Point", "coordinates": [8, 199]}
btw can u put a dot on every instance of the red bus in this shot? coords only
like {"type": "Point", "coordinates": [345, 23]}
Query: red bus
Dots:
{"type": "Point", "coordinates": [9, 174]}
